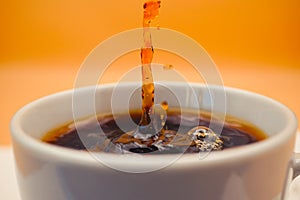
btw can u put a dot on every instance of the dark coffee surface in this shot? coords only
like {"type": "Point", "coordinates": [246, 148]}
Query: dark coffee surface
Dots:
{"type": "Point", "coordinates": [172, 138]}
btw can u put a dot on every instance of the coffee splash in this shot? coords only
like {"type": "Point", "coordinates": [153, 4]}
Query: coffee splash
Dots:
{"type": "Point", "coordinates": [151, 128]}
{"type": "Point", "coordinates": [179, 135]}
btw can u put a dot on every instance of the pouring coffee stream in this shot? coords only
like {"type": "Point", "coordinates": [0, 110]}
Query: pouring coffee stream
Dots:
{"type": "Point", "coordinates": [150, 13]}
{"type": "Point", "coordinates": [152, 124]}
{"type": "Point", "coordinates": [146, 126]}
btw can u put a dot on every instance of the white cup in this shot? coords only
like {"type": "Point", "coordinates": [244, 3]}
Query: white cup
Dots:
{"type": "Point", "coordinates": [257, 171]}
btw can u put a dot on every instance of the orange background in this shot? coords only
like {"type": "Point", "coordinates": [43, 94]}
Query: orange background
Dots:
{"type": "Point", "coordinates": [255, 44]}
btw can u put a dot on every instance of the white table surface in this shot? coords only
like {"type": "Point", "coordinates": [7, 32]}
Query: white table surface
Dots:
{"type": "Point", "coordinates": [9, 189]}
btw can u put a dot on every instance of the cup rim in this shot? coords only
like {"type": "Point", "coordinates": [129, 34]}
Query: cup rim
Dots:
{"type": "Point", "coordinates": [231, 155]}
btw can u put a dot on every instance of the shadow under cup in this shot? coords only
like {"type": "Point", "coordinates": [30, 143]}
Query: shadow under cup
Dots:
{"type": "Point", "coordinates": [255, 171]}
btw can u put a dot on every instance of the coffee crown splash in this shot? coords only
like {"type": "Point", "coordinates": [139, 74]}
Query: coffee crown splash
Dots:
{"type": "Point", "coordinates": [151, 133]}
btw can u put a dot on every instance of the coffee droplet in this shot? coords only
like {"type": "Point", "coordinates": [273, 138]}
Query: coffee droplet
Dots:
{"type": "Point", "coordinates": [164, 105]}
{"type": "Point", "coordinates": [205, 139]}
{"type": "Point", "coordinates": [168, 66]}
